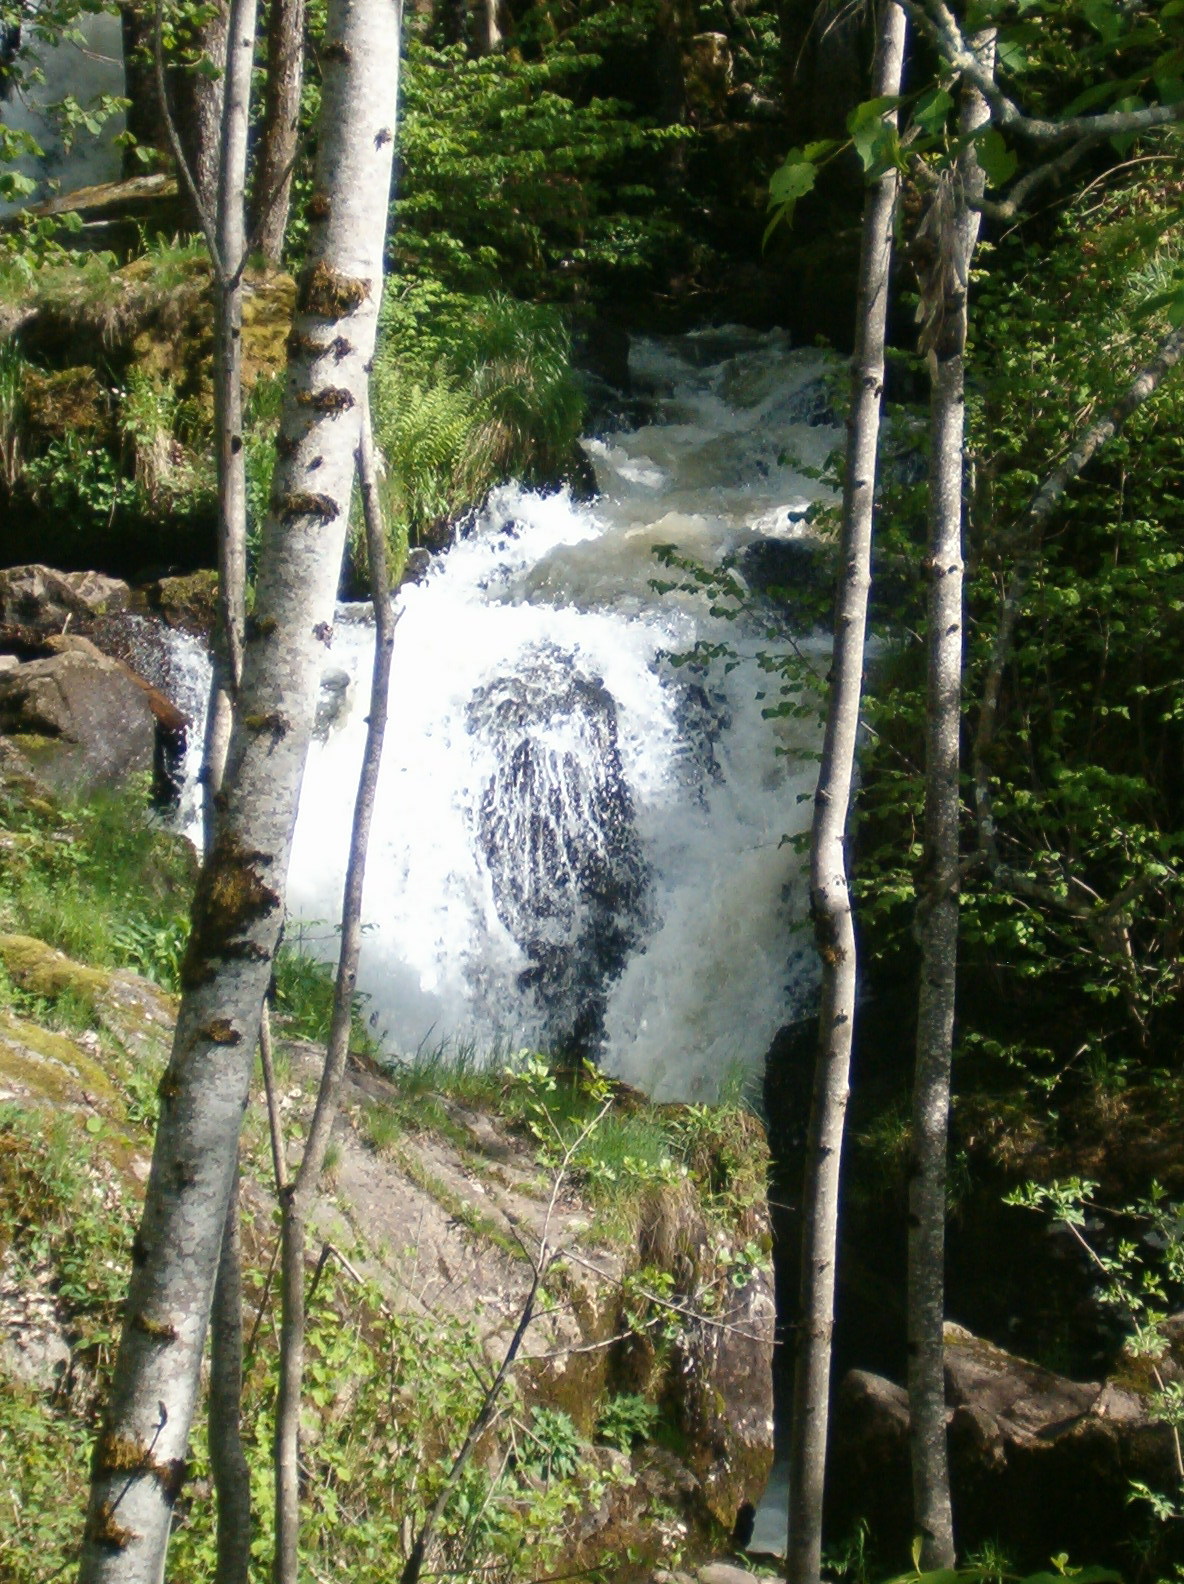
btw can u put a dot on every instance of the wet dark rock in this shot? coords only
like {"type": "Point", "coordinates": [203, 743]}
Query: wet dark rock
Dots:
{"type": "Point", "coordinates": [725, 1406]}
{"type": "Point", "coordinates": [1039, 1463]}
{"type": "Point", "coordinates": [41, 600]}
{"type": "Point", "coordinates": [580, 476]}
{"type": "Point", "coordinates": [812, 404]}
{"type": "Point", "coordinates": [416, 567]}
{"type": "Point", "coordinates": [188, 603]}
{"type": "Point", "coordinates": [603, 352]}
{"type": "Point", "coordinates": [557, 831]}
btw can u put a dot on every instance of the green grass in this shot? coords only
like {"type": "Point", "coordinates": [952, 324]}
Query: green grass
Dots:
{"type": "Point", "coordinates": [304, 997]}
{"type": "Point", "coordinates": [102, 881]}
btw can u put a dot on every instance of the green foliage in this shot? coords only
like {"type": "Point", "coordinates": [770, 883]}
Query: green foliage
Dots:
{"type": "Point", "coordinates": [515, 177]}
{"type": "Point", "coordinates": [1079, 917]}
{"type": "Point", "coordinates": [552, 1447]}
{"type": "Point", "coordinates": [98, 880]}
{"type": "Point", "coordinates": [627, 1419]}
{"type": "Point", "coordinates": [468, 392]}
{"type": "Point", "coordinates": [304, 988]}
{"type": "Point", "coordinates": [988, 1571]}
{"type": "Point", "coordinates": [64, 1223]}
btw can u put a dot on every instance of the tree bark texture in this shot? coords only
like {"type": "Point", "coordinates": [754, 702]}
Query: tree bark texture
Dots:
{"type": "Point", "coordinates": [197, 101]}
{"type": "Point", "coordinates": [139, 1458]}
{"type": "Point", "coordinates": [280, 136]}
{"type": "Point", "coordinates": [952, 235]}
{"type": "Point", "coordinates": [299, 1198]}
{"type": "Point", "coordinates": [230, 256]}
{"type": "Point", "coordinates": [227, 1457]}
{"type": "Point", "coordinates": [228, 1460]}
{"type": "Point", "coordinates": [830, 898]}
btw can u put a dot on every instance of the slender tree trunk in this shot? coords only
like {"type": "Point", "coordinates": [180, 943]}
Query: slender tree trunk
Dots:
{"type": "Point", "coordinates": [953, 234]}
{"type": "Point", "coordinates": [139, 1458]}
{"type": "Point", "coordinates": [279, 140]}
{"type": "Point", "coordinates": [230, 258]}
{"type": "Point", "coordinates": [197, 97]}
{"type": "Point", "coordinates": [227, 1458]}
{"type": "Point", "coordinates": [299, 1198]}
{"type": "Point", "coordinates": [830, 899]}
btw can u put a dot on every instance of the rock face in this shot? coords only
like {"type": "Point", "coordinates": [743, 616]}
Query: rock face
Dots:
{"type": "Point", "coordinates": [41, 600]}
{"type": "Point", "coordinates": [80, 717]}
{"type": "Point", "coordinates": [1038, 1462]}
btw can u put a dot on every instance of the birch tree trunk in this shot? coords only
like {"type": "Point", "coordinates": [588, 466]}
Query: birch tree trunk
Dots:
{"type": "Point", "coordinates": [951, 228]}
{"type": "Point", "coordinates": [230, 254]}
{"type": "Point", "coordinates": [139, 1459]}
{"type": "Point", "coordinates": [830, 899]}
{"type": "Point", "coordinates": [279, 139]}
{"type": "Point", "coordinates": [228, 1460]}
{"type": "Point", "coordinates": [299, 1198]}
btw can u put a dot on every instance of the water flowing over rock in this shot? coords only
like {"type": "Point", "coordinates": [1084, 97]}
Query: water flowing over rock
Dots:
{"type": "Point", "coordinates": [557, 831]}
{"type": "Point", "coordinates": [579, 835]}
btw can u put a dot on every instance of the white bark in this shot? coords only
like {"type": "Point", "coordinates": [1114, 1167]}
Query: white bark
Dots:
{"type": "Point", "coordinates": [829, 895]}
{"type": "Point", "coordinates": [228, 1460]}
{"type": "Point", "coordinates": [298, 1200]}
{"type": "Point", "coordinates": [937, 907]}
{"type": "Point", "coordinates": [139, 1459]}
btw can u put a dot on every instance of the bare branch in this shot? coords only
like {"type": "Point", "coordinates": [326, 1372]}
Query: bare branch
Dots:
{"type": "Point", "coordinates": [936, 21]}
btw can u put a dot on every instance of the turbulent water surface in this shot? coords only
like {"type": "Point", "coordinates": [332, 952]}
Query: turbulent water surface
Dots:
{"type": "Point", "coordinates": [578, 842]}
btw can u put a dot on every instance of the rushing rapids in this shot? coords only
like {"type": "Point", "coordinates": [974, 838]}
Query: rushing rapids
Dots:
{"type": "Point", "coordinates": [579, 841]}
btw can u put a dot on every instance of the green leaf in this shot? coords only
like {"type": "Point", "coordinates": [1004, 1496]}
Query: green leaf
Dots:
{"type": "Point", "coordinates": [94, 1124]}
{"type": "Point", "coordinates": [998, 162]}
{"type": "Point", "coordinates": [872, 138]}
{"type": "Point", "coordinates": [931, 110]}
{"type": "Point", "coordinates": [792, 182]}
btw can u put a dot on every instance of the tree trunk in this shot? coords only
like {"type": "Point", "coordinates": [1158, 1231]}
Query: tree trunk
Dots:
{"type": "Point", "coordinates": [279, 139]}
{"type": "Point", "coordinates": [227, 1457]}
{"type": "Point", "coordinates": [144, 119]}
{"type": "Point", "coordinates": [829, 895]}
{"type": "Point", "coordinates": [952, 230]}
{"type": "Point", "coordinates": [197, 104]}
{"type": "Point", "coordinates": [299, 1199]}
{"type": "Point", "coordinates": [139, 1459]}
{"type": "Point", "coordinates": [228, 1460]}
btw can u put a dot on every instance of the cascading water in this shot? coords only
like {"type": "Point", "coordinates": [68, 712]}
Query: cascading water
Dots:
{"type": "Point", "coordinates": [578, 844]}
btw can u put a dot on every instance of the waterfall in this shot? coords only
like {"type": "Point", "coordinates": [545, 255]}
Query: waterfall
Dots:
{"type": "Point", "coordinates": [579, 843]}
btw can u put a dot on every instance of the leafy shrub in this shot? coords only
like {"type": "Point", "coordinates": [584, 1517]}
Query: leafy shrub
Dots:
{"type": "Point", "coordinates": [468, 391]}
{"type": "Point", "coordinates": [625, 1420]}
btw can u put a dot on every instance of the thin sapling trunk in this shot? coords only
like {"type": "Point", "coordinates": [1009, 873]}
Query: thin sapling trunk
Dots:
{"type": "Point", "coordinates": [830, 899]}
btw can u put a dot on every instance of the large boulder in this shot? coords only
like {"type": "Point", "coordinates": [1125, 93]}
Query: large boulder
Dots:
{"type": "Point", "coordinates": [79, 717]}
{"type": "Point", "coordinates": [1039, 1462]}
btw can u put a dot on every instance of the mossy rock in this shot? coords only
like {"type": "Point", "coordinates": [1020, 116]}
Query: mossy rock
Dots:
{"type": "Point", "coordinates": [40, 1065]}
{"type": "Point", "coordinates": [42, 971]}
{"type": "Point", "coordinates": [269, 306]}
{"type": "Point", "coordinates": [189, 603]}
{"type": "Point", "coordinates": [137, 1013]}
{"type": "Point", "coordinates": [64, 401]}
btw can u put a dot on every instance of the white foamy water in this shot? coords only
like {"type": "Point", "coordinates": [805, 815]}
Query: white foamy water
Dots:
{"type": "Point", "coordinates": [575, 839]}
